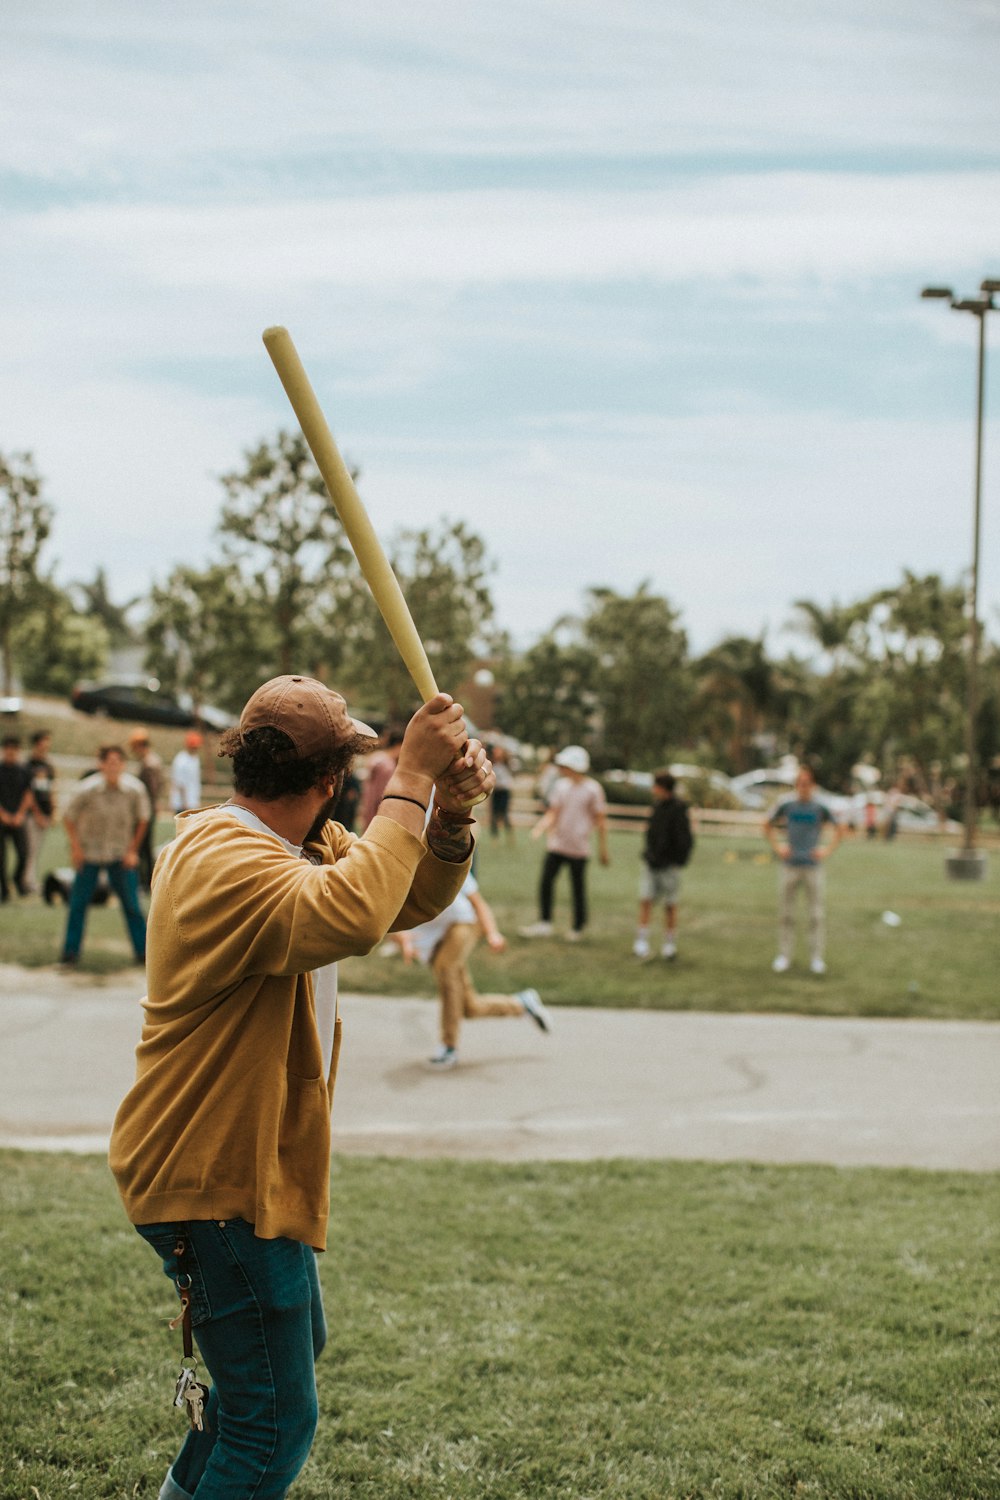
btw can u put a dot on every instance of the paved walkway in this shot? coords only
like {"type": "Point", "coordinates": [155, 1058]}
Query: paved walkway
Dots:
{"type": "Point", "coordinates": [606, 1083]}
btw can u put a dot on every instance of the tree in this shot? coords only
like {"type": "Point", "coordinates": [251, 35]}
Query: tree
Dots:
{"type": "Point", "coordinates": [282, 534]}
{"type": "Point", "coordinates": [56, 644]}
{"type": "Point", "coordinates": [206, 638]}
{"type": "Point", "coordinates": [97, 602]}
{"type": "Point", "coordinates": [736, 699]}
{"type": "Point", "coordinates": [896, 686]}
{"type": "Point", "coordinates": [25, 523]}
{"type": "Point", "coordinates": [914, 701]}
{"type": "Point", "coordinates": [444, 576]}
{"type": "Point", "coordinates": [546, 695]}
{"type": "Point", "coordinates": [641, 676]}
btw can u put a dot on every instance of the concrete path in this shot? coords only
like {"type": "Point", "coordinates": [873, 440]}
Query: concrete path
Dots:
{"type": "Point", "coordinates": [606, 1083]}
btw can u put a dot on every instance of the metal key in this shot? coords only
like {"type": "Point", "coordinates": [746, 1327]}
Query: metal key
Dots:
{"type": "Point", "coordinates": [195, 1396]}
{"type": "Point", "coordinates": [184, 1380]}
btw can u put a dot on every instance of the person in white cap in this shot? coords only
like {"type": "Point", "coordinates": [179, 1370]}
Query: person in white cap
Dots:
{"type": "Point", "coordinates": [221, 1149]}
{"type": "Point", "coordinates": [577, 809]}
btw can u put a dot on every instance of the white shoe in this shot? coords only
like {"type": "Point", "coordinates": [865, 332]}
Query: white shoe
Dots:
{"type": "Point", "coordinates": [641, 948]}
{"type": "Point", "coordinates": [536, 929]}
{"type": "Point", "coordinates": [669, 949]}
{"type": "Point", "coordinates": [533, 1007]}
{"type": "Point", "coordinates": [573, 936]}
{"type": "Point", "coordinates": [781, 964]}
{"type": "Point", "coordinates": [444, 1058]}
{"type": "Point", "coordinates": [817, 966]}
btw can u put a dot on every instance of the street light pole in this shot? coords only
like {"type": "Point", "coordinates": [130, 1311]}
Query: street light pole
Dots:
{"type": "Point", "coordinates": [970, 862]}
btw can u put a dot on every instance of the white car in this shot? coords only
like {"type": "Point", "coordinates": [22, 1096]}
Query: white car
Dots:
{"type": "Point", "coordinates": [914, 815]}
{"type": "Point", "coordinates": [759, 790]}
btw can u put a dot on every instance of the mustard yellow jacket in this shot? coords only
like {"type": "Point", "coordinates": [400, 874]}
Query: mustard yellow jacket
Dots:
{"type": "Point", "coordinates": [229, 1116]}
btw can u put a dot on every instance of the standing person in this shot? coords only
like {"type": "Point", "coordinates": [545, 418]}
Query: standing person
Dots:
{"type": "Point", "coordinates": [502, 793]}
{"type": "Point", "coordinates": [150, 772]}
{"type": "Point", "coordinates": [185, 775]}
{"type": "Point", "coordinates": [380, 769]}
{"type": "Point", "coordinates": [16, 803]}
{"type": "Point", "coordinates": [221, 1149]}
{"type": "Point", "coordinates": [105, 821]}
{"type": "Point", "coordinates": [445, 943]}
{"type": "Point", "coordinates": [576, 809]}
{"type": "Point", "coordinates": [42, 774]}
{"type": "Point", "coordinates": [666, 850]}
{"type": "Point", "coordinates": [802, 853]}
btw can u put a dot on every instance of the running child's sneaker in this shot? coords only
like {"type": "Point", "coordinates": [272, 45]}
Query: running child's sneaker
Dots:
{"type": "Point", "coordinates": [531, 1000]}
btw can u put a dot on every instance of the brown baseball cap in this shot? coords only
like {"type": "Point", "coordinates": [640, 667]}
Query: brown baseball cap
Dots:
{"type": "Point", "coordinates": [314, 717]}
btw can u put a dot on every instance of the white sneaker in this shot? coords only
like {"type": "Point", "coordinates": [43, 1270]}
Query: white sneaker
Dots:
{"type": "Point", "coordinates": [641, 948]}
{"type": "Point", "coordinates": [669, 949]}
{"type": "Point", "coordinates": [817, 966]}
{"type": "Point", "coordinates": [444, 1058]}
{"type": "Point", "coordinates": [780, 965]}
{"type": "Point", "coordinates": [573, 936]}
{"type": "Point", "coordinates": [536, 929]}
{"type": "Point", "coordinates": [532, 1002]}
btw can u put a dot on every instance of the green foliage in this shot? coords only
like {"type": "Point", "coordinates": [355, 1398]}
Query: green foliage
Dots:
{"type": "Point", "coordinates": [443, 575]}
{"type": "Point", "coordinates": [743, 700]}
{"type": "Point", "coordinates": [573, 1330]}
{"type": "Point", "coordinates": [205, 635]}
{"type": "Point", "coordinates": [25, 523]}
{"type": "Point", "coordinates": [96, 602]}
{"type": "Point", "coordinates": [280, 531]}
{"type": "Point", "coordinates": [641, 677]}
{"type": "Point", "coordinates": [940, 962]}
{"type": "Point", "coordinates": [56, 645]}
{"type": "Point", "coordinates": [547, 694]}
{"type": "Point", "coordinates": [897, 683]}
{"type": "Point", "coordinates": [615, 680]}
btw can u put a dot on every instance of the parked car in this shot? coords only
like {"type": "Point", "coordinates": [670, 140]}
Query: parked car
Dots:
{"type": "Point", "coordinates": [142, 699]}
{"type": "Point", "coordinates": [912, 816]}
{"type": "Point", "coordinates": [698, 785]}
{"type": "Point", "coordinates": [759, 790]}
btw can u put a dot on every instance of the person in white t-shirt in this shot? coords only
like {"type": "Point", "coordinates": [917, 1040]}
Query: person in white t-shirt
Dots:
{"type": "Point", "coordinates": [445, 943]}
{"type": "Point", "coordinates": [185, 775]}
{"type": "Point", "coordinates": [577, 808]}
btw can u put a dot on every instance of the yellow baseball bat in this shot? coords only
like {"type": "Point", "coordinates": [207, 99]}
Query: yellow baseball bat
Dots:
{"type": "Point", "coordinates": [349, 507]}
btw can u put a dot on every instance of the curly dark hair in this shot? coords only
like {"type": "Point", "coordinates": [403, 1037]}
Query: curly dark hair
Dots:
{"type": "Point", "coordinates": [265, 766]}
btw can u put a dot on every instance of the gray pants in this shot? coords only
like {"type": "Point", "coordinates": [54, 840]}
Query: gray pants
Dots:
{"type": "Point", "coordinates": [810, 879]}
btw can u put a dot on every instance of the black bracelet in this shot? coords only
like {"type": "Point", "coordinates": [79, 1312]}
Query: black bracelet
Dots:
{"type": "Point", "coordinates": [394, 797]}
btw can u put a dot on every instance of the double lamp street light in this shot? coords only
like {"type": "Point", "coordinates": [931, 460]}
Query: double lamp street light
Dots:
{"type": "Point", "coordinates": [969, 863]}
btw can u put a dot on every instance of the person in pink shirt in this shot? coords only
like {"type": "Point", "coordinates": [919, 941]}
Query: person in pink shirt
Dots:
{"type": "Point", "coordinates": [576, 809]}
{"type": "Point", "coordinates": [381, 767]}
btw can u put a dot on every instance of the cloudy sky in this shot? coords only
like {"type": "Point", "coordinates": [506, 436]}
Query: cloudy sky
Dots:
{"type": "Point", "coordinates": [631, 288]}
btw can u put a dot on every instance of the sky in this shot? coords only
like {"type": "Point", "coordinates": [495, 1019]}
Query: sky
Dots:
{"type": "Point", "coordinates": [631, 289]}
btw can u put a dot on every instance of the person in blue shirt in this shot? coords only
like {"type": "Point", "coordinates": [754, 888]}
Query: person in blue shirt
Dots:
{"type": "Point", "coordinates": [794, 829]}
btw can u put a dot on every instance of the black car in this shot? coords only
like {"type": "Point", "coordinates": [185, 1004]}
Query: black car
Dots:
{"type": "Point", "coordinates": [142, 700]}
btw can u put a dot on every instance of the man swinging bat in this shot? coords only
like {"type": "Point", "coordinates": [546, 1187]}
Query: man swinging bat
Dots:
{"type": "Point", "coordinates": [221, 1149]}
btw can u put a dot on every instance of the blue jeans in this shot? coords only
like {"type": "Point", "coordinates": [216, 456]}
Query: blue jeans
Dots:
{"type": "Point", "coordinates": [125, 884]}
{"type": "Point", "coordinates": [257, 1315]}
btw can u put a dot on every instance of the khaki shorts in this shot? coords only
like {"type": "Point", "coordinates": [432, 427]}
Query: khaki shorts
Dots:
{"type": "Point", "coordinates": [660, 885]}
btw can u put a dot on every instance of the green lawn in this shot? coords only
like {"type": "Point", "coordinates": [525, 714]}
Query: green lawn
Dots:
{"type": "Point", "coordinates": [941, 961]}
{"type": "Point", "coordinates": [582, 1331]}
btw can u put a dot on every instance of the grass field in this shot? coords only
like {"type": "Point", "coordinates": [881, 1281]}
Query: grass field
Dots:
{"type": "Point", "coordinates": [582, 1331]}
{"type": "Point", "coordinates": [940, 961]}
